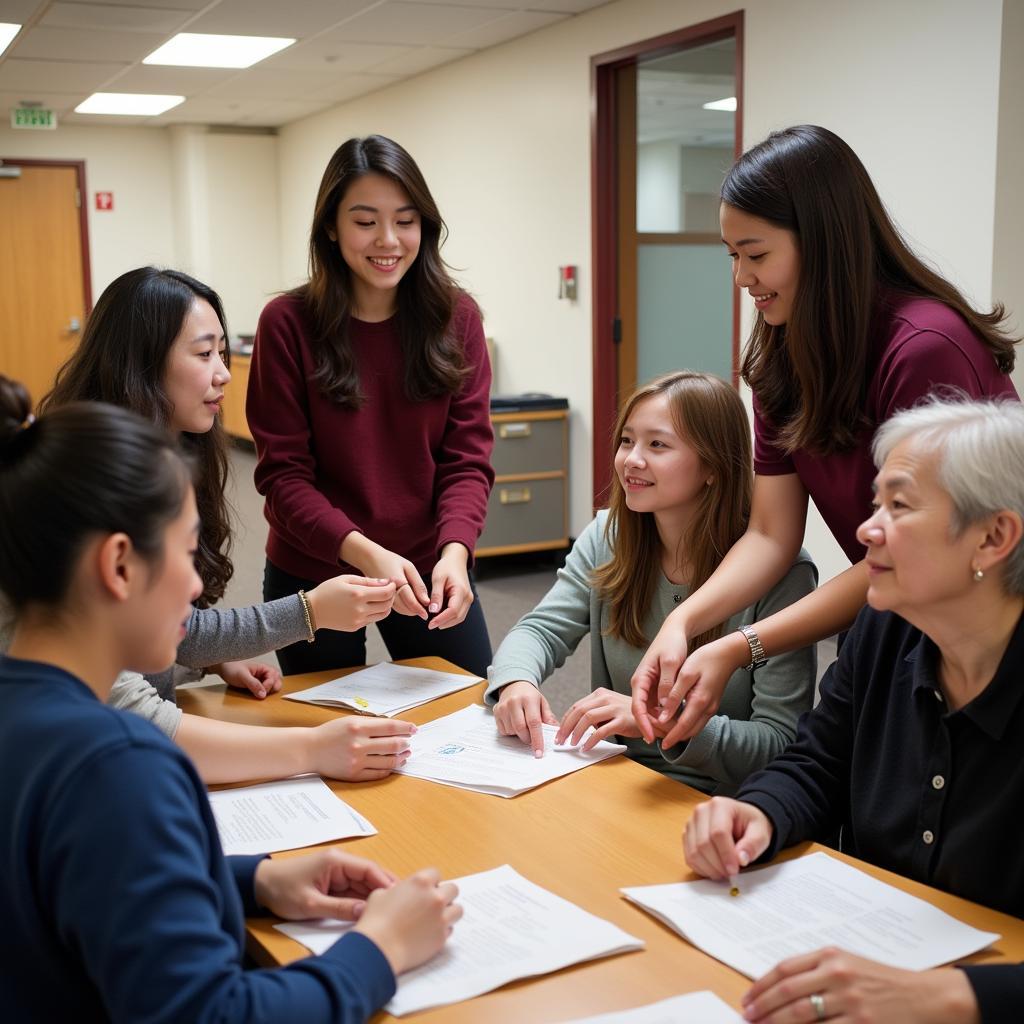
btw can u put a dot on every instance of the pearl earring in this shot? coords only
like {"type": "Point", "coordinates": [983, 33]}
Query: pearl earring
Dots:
{"type": "Point", "coordinates": [978, 575]}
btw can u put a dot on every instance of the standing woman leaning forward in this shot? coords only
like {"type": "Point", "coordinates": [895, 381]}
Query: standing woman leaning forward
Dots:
{"type": "Point", "coordinates": [369, 404]}
{"type": "Point", "coordinates": [851, 327]}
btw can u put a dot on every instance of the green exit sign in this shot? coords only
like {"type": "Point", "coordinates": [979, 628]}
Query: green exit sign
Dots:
{"type": "Point", "coordinates": [33, 117]}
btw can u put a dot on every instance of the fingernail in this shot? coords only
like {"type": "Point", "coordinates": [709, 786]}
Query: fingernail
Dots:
{"type": "Point", "coordinates": [413, 731]}
{"type": "Point", "coordinates": [401, 764]}
{"type": "Point", "coordinates": [383, 581]}
{"type": "Point", "coordinates": [434, 607]}
{"type": "Point", "coordinates": [261, 693]}
{"type": "Point", "coordinates": [538, 753]}
{"type": "Point", "coordinates": [357, 909]}
{"type": "Point", "coordinates": [744, 858]}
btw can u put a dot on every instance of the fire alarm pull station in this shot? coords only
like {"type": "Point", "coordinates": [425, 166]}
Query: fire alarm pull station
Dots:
{"type": "Point", "coordinates": [567, 283]}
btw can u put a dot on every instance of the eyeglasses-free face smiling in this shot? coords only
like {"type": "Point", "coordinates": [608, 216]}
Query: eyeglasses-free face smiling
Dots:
{"type": "Point", "coordinates": [766, 262]}
{"type": "Point", "coordinates": [195, 374]}
{"type": "Point", "coordinates": [378, 233]}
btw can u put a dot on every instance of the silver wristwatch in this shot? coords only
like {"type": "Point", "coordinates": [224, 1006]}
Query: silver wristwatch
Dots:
{"type": "Point", "coordinates": [757, 655]}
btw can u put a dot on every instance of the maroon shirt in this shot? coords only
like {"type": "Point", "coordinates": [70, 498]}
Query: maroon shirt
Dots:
{"type": "Point", "coordinates": [412, 476]}
{"type": "Point", "coordinates": [919, 345]}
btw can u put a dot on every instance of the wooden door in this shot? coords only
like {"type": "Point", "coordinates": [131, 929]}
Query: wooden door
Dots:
{"type": "Point", "coordinates": [42, 281]}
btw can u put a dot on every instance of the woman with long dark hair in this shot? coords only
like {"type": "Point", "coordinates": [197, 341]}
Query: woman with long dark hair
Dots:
{"type": "Point", "coordinates": [851, 327]}
{"type": "Point", "coordinates": [679, 501]}
{"type": "Point", "coordinates": [117, 900]}
{"type": "Point", "coordinates": [156, 344]}
{"type": "Point", "coordinates": [368, 402]}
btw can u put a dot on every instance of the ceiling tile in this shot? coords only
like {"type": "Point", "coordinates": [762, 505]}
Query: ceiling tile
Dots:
{"type": "Point", "coordinates": [62, 102]}
{"type": "Point", "coordinates": [54, 75]}
{"type": "Point", "coordinates": [108, 15]}
{"type": "Point", "coordinates": [329, 51]}
{"type": "Point", "coordinates": [184, 5]}
{"type": "Point", "coordinates": [204, 111]}
{"type": "Point", "coordinates": [348, 87]}
{"type": "Point", "coordinates": [274, 18]}
{"type": "Point", "coordinates": [272, 84]}
{"type": "Point", "coordinates": [418, 60]}
{"type": "Point", "coordinates": [111, 120]}
{"type": "Point", "coordinates": [176, 81]}
{"type": "Point", "coordinates": [565, 6]}
{"type": "Point", "coordinates": [417, 24]}
{"type": "Point", "coordinates": [508, 27]}
{"type": "Point", "coordinates": [17, 12]}
{"type": "Point", "coordinates": [273, 114]}
{"type": "Point", "coordinates": [74, 44]}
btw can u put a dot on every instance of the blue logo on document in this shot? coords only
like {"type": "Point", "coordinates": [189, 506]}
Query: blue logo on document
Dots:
{"type": "Point", "coordinates": [450, 749]}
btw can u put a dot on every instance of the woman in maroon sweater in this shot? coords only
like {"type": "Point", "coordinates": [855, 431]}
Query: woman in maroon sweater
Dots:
{"type": "Point", "coordinates": [368, 402]}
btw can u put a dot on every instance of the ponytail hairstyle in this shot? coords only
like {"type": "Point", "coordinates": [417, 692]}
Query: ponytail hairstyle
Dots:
{"type": "Point", "coordinates": [709, 416]}
{"type": "Point", "coordinates": [434, 361]}
{"type": "Point", "coordinates": [80, 470]}
{"type": "Point", "coordinates": [810, 375]}
{"type": "Point", "coordinates": [122, 359]}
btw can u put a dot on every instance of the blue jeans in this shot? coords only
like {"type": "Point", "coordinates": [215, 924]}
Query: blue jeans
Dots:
{"type": "Point", "coordinates": [405, 636]}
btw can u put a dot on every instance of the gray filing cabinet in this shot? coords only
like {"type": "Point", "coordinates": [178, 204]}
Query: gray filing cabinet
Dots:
{"type": "Point", "coordinates": [529, 506]}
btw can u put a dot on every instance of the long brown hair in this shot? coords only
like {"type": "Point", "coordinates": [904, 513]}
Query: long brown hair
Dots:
{"type": "Point", "coordinates": [810, 375]}
{"type": "Point", "coordinates": [708, 415]}
{"type": "Point", "coordinates": [122, 359]}
{"type": "Point", "coordinates": [427, 295]}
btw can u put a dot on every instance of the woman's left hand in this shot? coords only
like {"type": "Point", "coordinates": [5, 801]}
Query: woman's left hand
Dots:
{"type": "Point", "coordinates": [831, 984]}
{"type": "Point", "coordinates": [259, 679]}
{"type": "Point", "coordinates": [449, 588]}
{"type": "Point", "coordinates": [608, 712]}
{"type": "Point", "coordinates": [327, 883]}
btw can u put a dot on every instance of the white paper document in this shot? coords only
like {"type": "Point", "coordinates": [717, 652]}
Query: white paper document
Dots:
{"type": "Point", "coordinates": [283, 815]}
{"type": "Point", "coordinates": [694, 1008]}
{"type": "Point", "coordinates": [803, 904]}
{"type": "Point", "coordinates": [510, 929]}
{"type": "Point", "coordinates": [384, 690]}
{"type": "Point", "coordinates": [464, 749]}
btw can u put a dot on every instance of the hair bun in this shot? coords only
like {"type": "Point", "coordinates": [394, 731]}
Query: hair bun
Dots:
{"type": "Point", "coordinates": [15, 409]}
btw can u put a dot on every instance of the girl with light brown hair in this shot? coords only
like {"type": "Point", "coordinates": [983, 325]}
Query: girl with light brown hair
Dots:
{"type": "Point", "coordinates": [680, 500]}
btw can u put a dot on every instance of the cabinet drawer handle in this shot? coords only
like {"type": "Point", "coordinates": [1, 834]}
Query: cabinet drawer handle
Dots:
{"type": "Point", "coordinates": [514, 430]}
{"type": "Point", "coordinates": [515, 495]}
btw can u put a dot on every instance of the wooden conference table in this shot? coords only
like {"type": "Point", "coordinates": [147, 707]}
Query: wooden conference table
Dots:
{"type": "Point", "coordinates": [583, 837]}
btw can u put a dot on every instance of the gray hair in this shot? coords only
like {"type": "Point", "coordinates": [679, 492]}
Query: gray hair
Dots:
{"type": "Point", "coordinates": [980, 449]}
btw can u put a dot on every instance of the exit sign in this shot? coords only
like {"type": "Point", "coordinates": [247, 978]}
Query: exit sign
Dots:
{"type": "Point", "coordinates": [33, 117]}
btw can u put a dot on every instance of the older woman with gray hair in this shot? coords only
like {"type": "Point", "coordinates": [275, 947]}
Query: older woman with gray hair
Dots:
{"type": "Point", "coordinates": [915, 748]}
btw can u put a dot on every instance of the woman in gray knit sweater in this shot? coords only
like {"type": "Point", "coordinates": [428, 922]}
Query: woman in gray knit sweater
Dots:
{"type": "Point", "coordinates": [680, 499]}
{"type": "Point", "coordinates": [156, 344]}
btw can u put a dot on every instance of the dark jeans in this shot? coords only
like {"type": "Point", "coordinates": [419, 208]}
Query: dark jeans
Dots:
{"type": "Point", "coordinates": [466, 645]}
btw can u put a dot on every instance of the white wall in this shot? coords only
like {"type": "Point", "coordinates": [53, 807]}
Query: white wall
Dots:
{"type": "Point", "coordinates": [503, 138]}
{"type": "Point", "coordinates": [1007, 274]}
{"type": "Point", "coordinates": [134, 164]}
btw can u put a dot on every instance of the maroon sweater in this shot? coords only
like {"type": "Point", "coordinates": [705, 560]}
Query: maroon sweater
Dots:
{"type": "Point", "coordinates": [412, 476]}
{"type": "Point", "coordinates": [919, 345]}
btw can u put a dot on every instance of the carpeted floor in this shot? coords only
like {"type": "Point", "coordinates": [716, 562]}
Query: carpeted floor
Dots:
{"type": "Point", "coordinates": [508, 587]}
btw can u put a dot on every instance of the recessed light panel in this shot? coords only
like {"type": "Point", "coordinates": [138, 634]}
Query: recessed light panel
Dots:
{"type": "Point", "coordinates": [130, 104]}
{"type": "Point", "coordinates": [200, 50]}
{"type": "Point", "coordinates": [729, 103]}
{"type": "Point", "coordinates": [7, 33]}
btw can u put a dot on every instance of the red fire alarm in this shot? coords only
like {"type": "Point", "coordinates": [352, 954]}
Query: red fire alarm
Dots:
{"type": "Point", "coordinates": [104, 200]}
{"type": "Point", "coordinates": [567, 283]}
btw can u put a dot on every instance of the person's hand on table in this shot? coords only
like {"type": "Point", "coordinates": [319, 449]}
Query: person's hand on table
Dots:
{"type": "Point", "coordinates": [348, 603]}
{"type": "Point", "coordinates": [699, 686]}
{"type": "Point", "coordinates": [410, 922]}
{"type": "Point", "coordinates": [450, 592]}
{"type": "Point", "coordinates": [724, 835]}
{"type": "Point", "coordinates": [359, 749]}
{"type": "Point", "coordinates": [521, 711]}
{"type": "Point", "coordinates": [834, 985]}
{"type": "Point", "coordinates": [607, 712]}
{"type": "Point", "coordinates": [327, 883]}
{"type": "Point", "coordinates": [259, 679]}
{"type": "Point", "coordinates": [377, 562]}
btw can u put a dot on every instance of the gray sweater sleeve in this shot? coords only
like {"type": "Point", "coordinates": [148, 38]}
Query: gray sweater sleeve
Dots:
{"type": "Point", "coordinates": [542, 639]}
{"type": "Point", "coordinates": [214, 635]}
{"type": "Point", "coordinates": [730, 749]}
{"type": "Point", "coordinates": [132, 692]}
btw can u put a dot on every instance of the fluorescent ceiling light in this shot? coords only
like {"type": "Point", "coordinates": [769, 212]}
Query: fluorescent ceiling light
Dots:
{"type": "Point", "coordinates": [7, 33]}
{"type": "Point", "coordinates": [729, 103]}
{"type": "Point", "coordinates": [199, 50]}
{"type": "Point", "coordinates": [139, 104]}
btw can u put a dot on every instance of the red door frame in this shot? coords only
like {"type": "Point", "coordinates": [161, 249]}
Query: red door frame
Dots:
{"type": "Point", "coordinates": [604, 198]}
{"type": "Point", "coordinates": [83, 214]}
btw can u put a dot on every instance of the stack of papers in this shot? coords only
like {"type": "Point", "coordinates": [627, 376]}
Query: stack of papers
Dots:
{"type": "Point", "coordinates": [384, 690]}
{"type": "Point", "coordinates": [804, 904]}
{"type": "Point", "coordinates": [699, 1007]}
{"type": "Point", "coordinates": [464, 750]}
{"type": "Point", "coordinates": [510, 929]}
{"type": "Point", "coordinates": [283, 815]}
